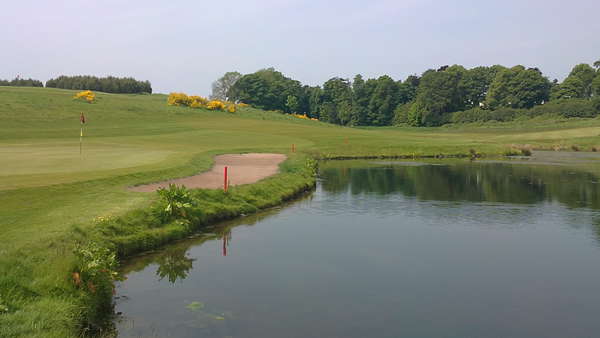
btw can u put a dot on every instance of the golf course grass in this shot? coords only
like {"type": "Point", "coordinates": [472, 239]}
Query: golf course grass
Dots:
{"type": "Point", "coordinates": [51, 195]}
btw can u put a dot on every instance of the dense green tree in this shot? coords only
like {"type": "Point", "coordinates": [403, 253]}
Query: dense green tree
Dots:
{"type": "Point", "coordinates": [428, 100]}
{"type": "Point", "coordinates": [292, 104]}
{"type": "Point", "coordinates": [338, 92]}
{"type": "Point", "coordinates": [328, 112]}
{"type": "Point", "coordinates": [360, 101]}
{"type": "Point", "coordinates": [384, 100]}
{"type": "Point", "coordinates": [439, 93]}
{"type": "Point", "coordinates": [110, 84]}
{"type": "Point", "coordinates": [221, 87]}
{"type": "Point", "coordinates": [476, 83]}
{"type": "Point", "coordinates": [413, 80]}
{"type": "Point", "coordinates": [407, 90]}
{"type": "Point", "coordinates": [401, 113]}
{"type": "Point", "coordinates": [266, 89]}
{"type": "Point", "coordinates": [20, 82]}
{"type": "Point", "coordinates": [596, 86]}
{"type": "Point", "coordinates": [586, 74]}
{"type": "Point", "coordinates": [572, 87]}
{"type": "Point", "coordinates": [345, 113]}
{"type": "Point", "coordinates": [315, 98]}
{"type": "Point", "coordinates": [518, 87]}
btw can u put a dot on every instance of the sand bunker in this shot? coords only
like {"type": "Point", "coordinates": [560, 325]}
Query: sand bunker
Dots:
{"type": "Point", "coordinates": [241, 168]}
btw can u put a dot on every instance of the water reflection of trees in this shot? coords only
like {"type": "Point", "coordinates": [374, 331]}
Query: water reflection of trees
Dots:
{"type": "Point", "coordinates": [491, 182]}
{"type": "Point", "coordinates": [173, 261]}
{"type": "Point", "coordinates": [174, 264]}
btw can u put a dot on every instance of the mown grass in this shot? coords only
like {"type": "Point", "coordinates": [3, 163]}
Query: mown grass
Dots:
{"type": "Point", "coordinates": [50, 195]}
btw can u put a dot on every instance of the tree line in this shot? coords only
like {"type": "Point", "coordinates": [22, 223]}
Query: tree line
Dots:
{"type": "Point", "coordinates": [19, 82]}
{"type": "Point", "coordinates": [109, 84]}
{"type": "Point", "coordinates": [437, 96]}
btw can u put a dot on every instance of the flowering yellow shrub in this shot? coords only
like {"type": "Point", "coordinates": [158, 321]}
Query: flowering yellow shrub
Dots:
{"type": "Point", "coordinates": [242, 104]}
{"type": "Point", "coordinates": [215, 105]}
{"type": "Point", "coordinates": [198, 101]}
{"type": "Point", "coordinates": [178, 99]}
{"type": "Point", "coordinates": [304, 117]}
{"type": "Point", "coordinates": [193, 101]}
{"type": "Point", "coordinates": [86, 95]}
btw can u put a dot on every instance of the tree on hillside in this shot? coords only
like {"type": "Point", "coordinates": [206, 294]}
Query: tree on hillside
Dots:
{"type": "Point", "coordinates": [338, 92]}
{"type": "Point", "coordinates": [315, 98]}
{"type": "Point", "coordinates": [292, 104]}
{"type": "Point", "coordinates": [586, 74]}
{"type": "Point", "coordinates": [439, 93]}
{"type": "Point", "coordinates": [109, 84]}
{"type": "Point", "coordinates": [266, 89]}
{"type": "Point", "coordinates": [572, 87]}
{"type": "Point", "coordinates": [223, 84]}
{"type": "Point", "coordinates": [596, 86]}
{"type": "Point", "coordinates": [383, 102]}
{"type": "Point", "coordinates": [328, 112]}
{"type": "Point", "coordinates": [20, 82]}
{"type": "Point", "coordinates": [407, 90]}
{"type": "Point", "coordinates": [360, 101]}
{"type": "Point", "coordinates": [518, 87]}
{"type": "Point", "coordinates": [476, 83]}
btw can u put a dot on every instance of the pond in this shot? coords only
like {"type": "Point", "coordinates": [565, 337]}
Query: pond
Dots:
{"type": "Point", "coordinates": [387, 249]}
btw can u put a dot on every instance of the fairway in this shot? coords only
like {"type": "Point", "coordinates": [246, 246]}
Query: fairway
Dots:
{"type": "Point", "coordinates": [49, 191]}
{"type": "Point", "coordinates": [135, 139]}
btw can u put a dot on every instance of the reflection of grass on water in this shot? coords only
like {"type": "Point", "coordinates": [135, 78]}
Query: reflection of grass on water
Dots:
{"type": "Point", "coordinates": [173, 262]}
{"type": "Point", "coordinates": [477, 181]}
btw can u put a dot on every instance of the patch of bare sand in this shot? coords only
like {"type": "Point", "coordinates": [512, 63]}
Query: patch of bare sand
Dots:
{"type": "Point", "coordinates": [241, 169]}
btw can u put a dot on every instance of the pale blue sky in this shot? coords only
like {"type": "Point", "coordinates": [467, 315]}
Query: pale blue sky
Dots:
{"type": "Point", "coordinates": [186, 45]}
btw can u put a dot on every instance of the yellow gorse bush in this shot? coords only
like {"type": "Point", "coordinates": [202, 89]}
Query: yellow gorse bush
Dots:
{"type": "Point", "coordinates": [215, 105]}
{"type": "Point", "coordinates": [181, 99]}
{"type": "Point", "coordinates": [304, 117]}
{"type": "Point", "coordinates": [86, 95]}
{"type": "Point", "coordinates": [178, 99]}
{"type": "Point", "coordinates": [197, 101]}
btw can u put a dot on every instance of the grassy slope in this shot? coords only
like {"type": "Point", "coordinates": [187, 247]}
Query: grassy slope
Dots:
{"type": "Point", "coordinates": [47, 189]}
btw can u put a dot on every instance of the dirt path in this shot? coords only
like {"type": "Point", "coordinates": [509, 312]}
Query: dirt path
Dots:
{"type": "Point", "coordinates": [242, 169]}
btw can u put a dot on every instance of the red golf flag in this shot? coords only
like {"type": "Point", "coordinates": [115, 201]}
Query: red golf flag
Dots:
{"type": "Point", "coordinates": [82, 118]}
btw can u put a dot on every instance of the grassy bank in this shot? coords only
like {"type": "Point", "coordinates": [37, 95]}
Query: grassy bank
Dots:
{"type": "Point", "coordinates": [51, 197]}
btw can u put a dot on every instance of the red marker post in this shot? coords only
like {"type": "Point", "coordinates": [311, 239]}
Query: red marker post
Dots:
{"type": "Point", "coordinates": [225, 180]}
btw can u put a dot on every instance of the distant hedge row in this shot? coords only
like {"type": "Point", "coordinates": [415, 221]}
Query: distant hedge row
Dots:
{"type": "Point", "coordinates": [564, 108]}
{"type": "Point", "coordinates": [110, 84]}
{"type": "Point", "coordinates": [17, 82]}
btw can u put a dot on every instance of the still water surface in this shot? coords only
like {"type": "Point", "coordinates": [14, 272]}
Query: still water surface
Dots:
{"type": "Point", "coordinates": [388, 249]}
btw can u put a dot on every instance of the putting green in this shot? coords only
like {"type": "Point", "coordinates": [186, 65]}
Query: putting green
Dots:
{"type": "Point", "coordinates": [28, 165]}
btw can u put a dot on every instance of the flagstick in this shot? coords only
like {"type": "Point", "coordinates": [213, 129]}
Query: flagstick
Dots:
{"type": "Point", "coordinates": [80, 139]}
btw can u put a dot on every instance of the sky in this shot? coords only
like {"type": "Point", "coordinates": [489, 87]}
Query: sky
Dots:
{"type": "Point", "coordinates": [186, 45]}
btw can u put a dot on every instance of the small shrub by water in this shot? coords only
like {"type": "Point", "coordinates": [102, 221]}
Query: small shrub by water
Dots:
{"type": "Point", "coordinates": [177, 202]}
{"type": "Point", "coordinates": [94, 275]}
